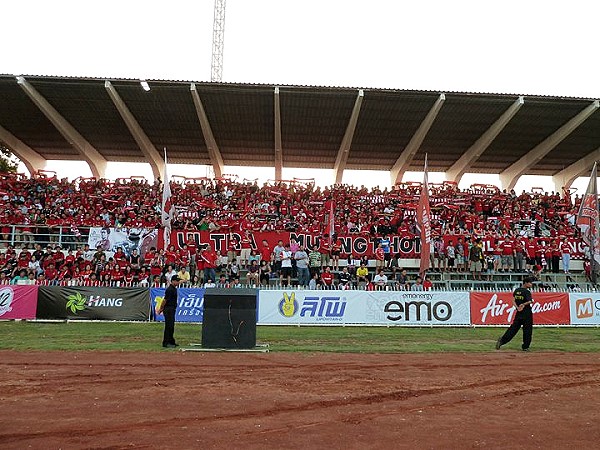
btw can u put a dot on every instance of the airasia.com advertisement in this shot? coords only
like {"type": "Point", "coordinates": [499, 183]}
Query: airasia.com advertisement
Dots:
{"type": "Point", "coordinates": [496, 308]}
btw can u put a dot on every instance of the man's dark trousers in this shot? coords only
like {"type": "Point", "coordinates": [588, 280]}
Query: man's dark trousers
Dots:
{"type": "Point", "coordinates": [522, 319]}
{"type": "Point", "coordinates": [168, 338]}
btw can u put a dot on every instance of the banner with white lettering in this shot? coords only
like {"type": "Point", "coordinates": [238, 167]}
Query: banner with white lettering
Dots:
{"type": "Point", "coordinates": [94, 303]}
{"type": "Point", "coordinates": [363, 307]}
{"type": "Point", "coordinates": [585, 308]}
{"type": "Point", "coordinates": [496, 308]}
{"type": "Point", "coordinates": [190, 304]}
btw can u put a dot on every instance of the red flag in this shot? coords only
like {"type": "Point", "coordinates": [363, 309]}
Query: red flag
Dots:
{"type": "Point", "coordinates": [168, 209]}
{"type": "Point", "coordinates": [424, 223]}
{"type": "Point", "coordinates": [587, 219]}
{"type": "Point", "coordinates": [331, 222]}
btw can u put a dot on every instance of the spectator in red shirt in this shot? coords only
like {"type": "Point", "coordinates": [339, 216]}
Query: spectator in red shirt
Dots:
{"type": "Point", "coordinates": [530, 250]}
{"type": "Point", "coordinates": [327, 278]}
{"type": "Point", "coordinates": [519, 255]}
{"type": "Point", "coordinates": [120, 256]}
{"type": "Point", "coordinates": [50, 273]}
{"type": "Point", "coordinates": [246, 244]}
{"type": "Point", "coordinates": [336, 250]}
{"type": "Point", "coordinates": [209, 258]}
{"type": "Point", "coordinates": [508, 253]}
{"type": "Point", "coordinates": [556, 254]}
{"type": "Point", "coordinates": [379, 258]}
{"type": "Point", "coordinates": [587, 269]}
{"type": "Point", "coordinates": [171, 256]}
{"type": "Point", "coordinates": [117, 273]}
{"type": "Point", "coordinates": [427, 284]}
{"type": "Point", "coordinates": [265, 251]}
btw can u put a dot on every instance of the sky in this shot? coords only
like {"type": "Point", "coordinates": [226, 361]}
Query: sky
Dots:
{"type": "Point", "coordinates": [513, 47]}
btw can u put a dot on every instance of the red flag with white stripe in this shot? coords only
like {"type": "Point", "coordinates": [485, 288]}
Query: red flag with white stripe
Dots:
{"type": "Point", "coordinates": [587, 219]}
{"type": "Point", "coordinates": [424, 222]}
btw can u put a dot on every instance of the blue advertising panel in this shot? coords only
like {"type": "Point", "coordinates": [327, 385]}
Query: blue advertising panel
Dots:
{"type": "Point", "coordinates": [190, 304]}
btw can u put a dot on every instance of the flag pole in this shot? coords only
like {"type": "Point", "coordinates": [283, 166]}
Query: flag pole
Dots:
{"type": "Point", "coordinates": [167, 209]}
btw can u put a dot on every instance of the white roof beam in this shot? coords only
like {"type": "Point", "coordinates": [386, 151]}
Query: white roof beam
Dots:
{"type": "Point", "coordinates": [566, 177]}
{"type": "Point", "coordinates": [403, 162]}
{"type": "Point", "coordinates": [462, 165]}
{"type": "Point", "coordinates": [211, 144]}
{"type": "Point", "coordinates": [146, 146]}
{"type": "Point", "coordinates": [344, 150]}
{"type": "Point", "coordinates": [278, 146]}
{"type": "Point", "coordinates": [510, 176]}
{"type": "Point", "coordinates": [95, 160]}
{"type": "Point", "coordinates": [32, 159]}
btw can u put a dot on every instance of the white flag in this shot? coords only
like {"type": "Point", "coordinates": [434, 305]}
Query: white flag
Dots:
{"type": "Point", "coordinates": [168, 209]}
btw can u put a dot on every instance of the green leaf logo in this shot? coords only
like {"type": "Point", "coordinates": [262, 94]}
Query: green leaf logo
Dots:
{"type": "Point", "coordinates": [76, 303]}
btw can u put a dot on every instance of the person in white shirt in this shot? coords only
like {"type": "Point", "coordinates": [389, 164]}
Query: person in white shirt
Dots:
{"type": "Point", "coordinates": [301, 258]}
{"type": "Point", "coordinates": [451, 255]}
{"type": "Point", "coordinates": [380, 280]}
{"type": "Point", "coordinates": [286, 265]}
{"type": "Point", "coordinates": [170, 273]}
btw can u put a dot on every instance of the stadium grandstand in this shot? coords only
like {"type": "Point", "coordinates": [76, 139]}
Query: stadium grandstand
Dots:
{"type": "Point", "coordinates": [99, 231]}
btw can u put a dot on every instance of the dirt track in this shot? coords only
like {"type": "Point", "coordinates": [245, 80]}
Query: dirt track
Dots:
{"type": "Point", "coordinates": [225, 400]}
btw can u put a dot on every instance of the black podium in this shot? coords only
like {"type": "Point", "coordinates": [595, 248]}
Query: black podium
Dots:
{"type": "Point", "coordinates": [229, 318]}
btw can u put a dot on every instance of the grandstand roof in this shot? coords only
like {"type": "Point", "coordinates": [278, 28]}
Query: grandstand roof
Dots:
{"type": "Point", "coordinates": [99, 120]}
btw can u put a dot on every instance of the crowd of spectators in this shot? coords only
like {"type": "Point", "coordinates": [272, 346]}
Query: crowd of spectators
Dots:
{"type": "Point", "coordinates": [225, 204]}
{"type": "Point", "coordinates": [42, 203]}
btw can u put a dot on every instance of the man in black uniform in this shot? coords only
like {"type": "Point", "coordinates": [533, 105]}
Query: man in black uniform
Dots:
{"type": "Point", "coordinates": [524, 317]}
{"type": "Point", "coordinates": [168, 308]}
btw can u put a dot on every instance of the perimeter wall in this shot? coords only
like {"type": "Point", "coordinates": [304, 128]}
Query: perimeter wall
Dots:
{"type": "Point", "coordinates": [303, 307]}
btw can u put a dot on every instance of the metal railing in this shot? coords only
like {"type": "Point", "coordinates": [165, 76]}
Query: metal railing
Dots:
{"type": "Point", "coordinates": [481, 286]}
{"type": "Point", "coordinates": [65, 236]}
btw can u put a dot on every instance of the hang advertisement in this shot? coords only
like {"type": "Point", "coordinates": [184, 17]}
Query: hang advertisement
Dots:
{"type": "Point", "coordinates": [93, 303]}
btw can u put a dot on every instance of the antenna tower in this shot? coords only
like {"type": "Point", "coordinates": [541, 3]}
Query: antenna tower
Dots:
{"type": "Point", "coordinates": [216, 67]}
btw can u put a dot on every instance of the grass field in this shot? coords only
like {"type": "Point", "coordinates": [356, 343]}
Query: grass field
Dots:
{"type": "Point", "coordinates": [24, 336]}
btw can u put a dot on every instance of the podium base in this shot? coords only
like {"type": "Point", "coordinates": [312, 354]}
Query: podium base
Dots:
{"type": "Point", "coordinates": [194, 347]}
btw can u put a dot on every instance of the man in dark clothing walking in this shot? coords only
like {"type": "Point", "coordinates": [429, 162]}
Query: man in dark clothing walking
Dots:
{"type": "Point", "coordinates": [168, 307]}
{"type": "Point", "coordinates": [522, 301]}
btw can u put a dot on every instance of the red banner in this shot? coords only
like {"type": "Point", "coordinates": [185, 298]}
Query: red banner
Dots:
{"type": "Point", "coordinates": [496, 308]}
{"type": "Point", "coordinates": [18, 302]}
{"type": "Point", "coordinates": [406, 245]}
